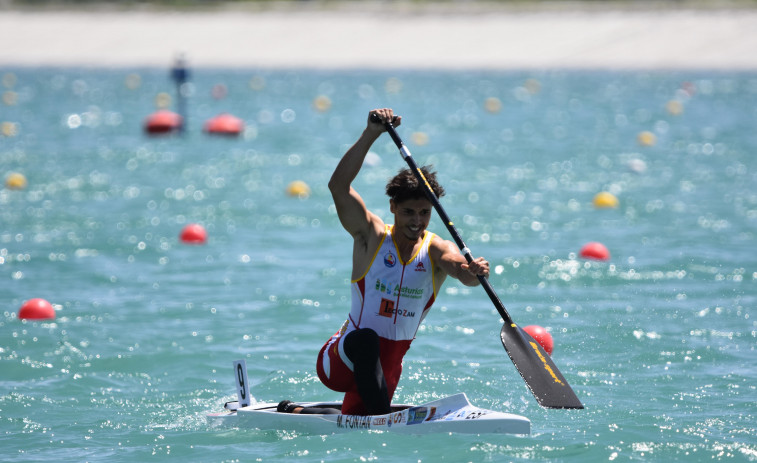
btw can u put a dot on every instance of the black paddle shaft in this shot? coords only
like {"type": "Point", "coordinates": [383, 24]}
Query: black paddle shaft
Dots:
{"type": "Point", "coordinates": [449, 224]}
{"type": "Point", "coordinates": [533, 363]}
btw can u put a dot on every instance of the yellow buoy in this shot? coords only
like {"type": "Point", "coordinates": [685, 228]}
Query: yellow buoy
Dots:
{"type": "Point", "coordinates": [533, 86]}
{"type": "Point", "coordinates": [493, 104]}
{"type": "Point", "coordinates": [393, 85]}
{"type": "Point", "coordinates": [604, 200]}
{"type": "Point", "coordinates": [162, 100]}
{"type": "Point", "coordinates": [419, 138]}
{"type": "Point", "coordinates": [15, 181]}
{"type": "Point", "coordinates": [10, 98]}
{"type": "Point", "coordinates": [9, 129]}
{"type": "Point", "coordinates": [322, 103]}
{"type": "Point", "coordinates": [133, 81]}
{"type": "Point", "coordinates": [674, 107]}
{"type": "Point", "coordinates": [646, 138]}
{"type": "Point", "coordinates": [257, 83]}
{"type": "Point", "coordinates": [298, 188]}
{"type": "Point", "coordinates": [9, 80]}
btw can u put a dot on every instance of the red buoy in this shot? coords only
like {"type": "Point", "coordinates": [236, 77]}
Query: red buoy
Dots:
{"type": "Point", "coordinates": [219, 91]}
{"type": "Point", "coordinates": [193, 234]}
{"type": "Point", "coordinates": [541, 336]}
{"type": "Point", "coordinates": [163, 122]}
{"type": "Point", "coordinates": [595, 250]}
{"type": "Point", "coordinates": [224, 124]}
{"type": "Point", "coordinates": [36, 309]}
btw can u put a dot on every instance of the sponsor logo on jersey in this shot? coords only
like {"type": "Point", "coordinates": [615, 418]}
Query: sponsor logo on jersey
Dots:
{"type": "Point", "coordinates": [387, 309]}
{"type": "Point", "coordinates": [385, 287]}
{"type": "Point", "coordinates": [390, 260]}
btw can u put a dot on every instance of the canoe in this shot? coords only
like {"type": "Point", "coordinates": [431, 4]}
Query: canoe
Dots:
{"type": "Point", "coordinates": [451, 414]}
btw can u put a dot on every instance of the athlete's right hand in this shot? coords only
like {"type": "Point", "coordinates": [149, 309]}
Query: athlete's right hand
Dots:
{"type": "Point", "coordinates": [378, 117]}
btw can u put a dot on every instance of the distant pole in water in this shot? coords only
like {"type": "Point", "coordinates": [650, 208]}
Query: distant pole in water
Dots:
{"type": "Point", "coordinates": [180, 75]}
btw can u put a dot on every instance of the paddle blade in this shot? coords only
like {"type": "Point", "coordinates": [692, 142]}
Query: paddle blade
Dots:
{"type": "Point", "coordinates": [537, 369]}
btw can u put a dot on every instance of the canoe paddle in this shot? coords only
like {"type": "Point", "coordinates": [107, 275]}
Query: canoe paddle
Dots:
{"type": "Point", "coordinates": [541, 375]}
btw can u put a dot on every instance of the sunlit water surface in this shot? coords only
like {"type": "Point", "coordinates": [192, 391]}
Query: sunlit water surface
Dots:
{"type": "Point", "coordinates": [658, 341]}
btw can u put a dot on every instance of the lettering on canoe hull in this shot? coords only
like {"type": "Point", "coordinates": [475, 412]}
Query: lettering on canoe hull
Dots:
{"type": "Point", "coordinates": [369, 422]}
{"type": "Point", "coordinates": [353, 422]}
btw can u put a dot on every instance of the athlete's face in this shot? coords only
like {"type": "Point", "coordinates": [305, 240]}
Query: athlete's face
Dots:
{"type": "Point", "coordinates": [411, 217]}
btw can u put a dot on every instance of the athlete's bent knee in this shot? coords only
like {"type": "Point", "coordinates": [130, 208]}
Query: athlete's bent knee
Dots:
{"type": "Point", "coordinates": [362, 345]}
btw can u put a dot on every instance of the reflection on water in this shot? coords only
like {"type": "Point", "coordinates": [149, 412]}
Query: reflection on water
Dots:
{"type": "Point", "coordinates": [657, 340]}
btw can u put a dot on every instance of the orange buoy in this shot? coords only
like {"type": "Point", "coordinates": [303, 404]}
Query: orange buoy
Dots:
{"type": "Point", "coordinates": [163, 122]}
{"type": "Point", "coordinates": [595, 250]}
{"type": "Point", "coordinates": [541, 336]}
{"type": "Point", "coordinates": [36, 309]}
{"type": "Point", "coordinates": [193, 234]}
{"type": "Point", "coordinates": [224, 124]}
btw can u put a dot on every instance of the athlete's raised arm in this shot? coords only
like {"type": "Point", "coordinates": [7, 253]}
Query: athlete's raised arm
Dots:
{"type": "Point", "coordinates": [352, 211]}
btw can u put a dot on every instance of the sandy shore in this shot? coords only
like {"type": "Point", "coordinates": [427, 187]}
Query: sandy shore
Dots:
{"type": "Point", "coordinates": [386, 36]}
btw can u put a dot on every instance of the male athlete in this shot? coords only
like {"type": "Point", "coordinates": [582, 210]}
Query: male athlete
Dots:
{"type": "Point", "coordinates": [397, 272]}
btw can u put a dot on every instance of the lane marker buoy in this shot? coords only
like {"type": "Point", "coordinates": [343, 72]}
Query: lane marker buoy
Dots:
{"type": "Point", "coordinates": [322, 103]}
{"type": "Point", "coordinates": [224, 124]}
{"type": "Point", "coordinates": [162, 100]}
{"type": "Point", "coordinates": [604, 199]}
{"type": "Point", "coordinates": [298, 188]}
{"type": "Point", "coordinates": [8, 129]}
{"type": "Point", "coordinates": [133, 81]}
{"type": "Point", "coordinates": [541, 336]}
{"type": "Point", "coordinates": [674, 107]}
{"type": "Point", "coordinates": [595, 250]}
{"type": "Point", "coordinates": [15, 181]}
{"type": "Point", "coordinates": [163, 122]}
{"type": "Point", "coordinates": [219, 91]}
{"type": "Point", "coordinates": [36, 309]}
{"type": "Point", "coordinates": [419, 138]}
{"type": "Point", "coordinates": [532, 85]}
{"type": "Point", "coordinates": [646, 138]}
{"type": "Point", "coordinates": [393, 85]}
{"type": "Point", "coordinates": [193, 234]}
{"type": "Point", "coordinates": [493, 104]}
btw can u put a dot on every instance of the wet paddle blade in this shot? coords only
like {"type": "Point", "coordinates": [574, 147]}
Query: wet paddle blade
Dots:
{"type": "Point", "coordinates": [537, 369]}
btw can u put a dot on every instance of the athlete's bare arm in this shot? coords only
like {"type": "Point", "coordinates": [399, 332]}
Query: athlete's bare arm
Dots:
{"type": "Point", "coordinates": [452, 263]}
{"type": "Point", "coordinates": [365, 227]}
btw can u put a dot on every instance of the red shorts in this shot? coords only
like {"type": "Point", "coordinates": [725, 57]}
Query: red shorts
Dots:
{"type": "Point", "coordinates": [337, 375]}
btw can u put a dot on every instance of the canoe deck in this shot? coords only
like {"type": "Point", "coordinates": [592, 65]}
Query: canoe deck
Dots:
{"type": "Point", "coordinates": [453, 414]}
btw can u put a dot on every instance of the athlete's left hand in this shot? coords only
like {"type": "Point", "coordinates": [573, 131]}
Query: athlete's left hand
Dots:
{"type": "Point", "coordinates": [478, 266]}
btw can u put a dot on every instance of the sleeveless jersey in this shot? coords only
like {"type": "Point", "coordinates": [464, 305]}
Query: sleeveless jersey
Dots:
{"type": "Point", "coordinates": [393, 297]}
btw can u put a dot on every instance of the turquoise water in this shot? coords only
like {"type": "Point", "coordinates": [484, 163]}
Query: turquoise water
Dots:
{"type": "Point", "coordinates": [658, 341]}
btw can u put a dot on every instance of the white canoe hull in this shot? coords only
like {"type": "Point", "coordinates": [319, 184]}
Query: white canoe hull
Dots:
{"type": "Point", "coordinates": [452, 414]}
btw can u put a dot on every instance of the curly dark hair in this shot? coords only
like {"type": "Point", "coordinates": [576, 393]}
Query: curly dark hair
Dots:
{"type": "Point", "coordinates": [406, 186]}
